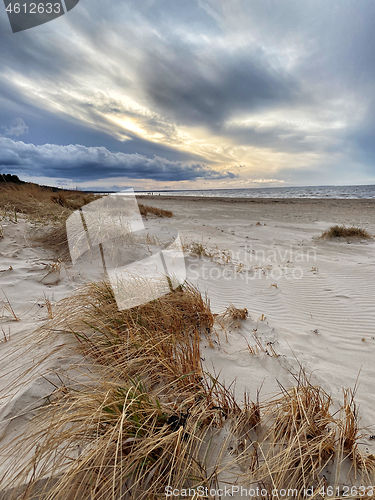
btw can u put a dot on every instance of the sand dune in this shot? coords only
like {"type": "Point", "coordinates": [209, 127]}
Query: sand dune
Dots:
{"type": "Point", "coordinates": [309, 301]}
{"type": "Point", "coordinates": [322, 310]}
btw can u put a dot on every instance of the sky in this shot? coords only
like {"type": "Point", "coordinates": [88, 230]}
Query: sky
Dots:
{"type": "Point", "coordinates": [198, 94]}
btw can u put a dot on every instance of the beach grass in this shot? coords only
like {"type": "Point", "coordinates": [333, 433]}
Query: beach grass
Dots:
{"type": "Point", "coordinates": [148, 420]}
{"type": "Point", "coordinates": [152, 418]}
{"type": "Point", "coordinates": [235, 313]}
{"type": "Point", "coordinates": [49, 210]}
{"type": "Point", "coordinates": [197, 248]}
{"type": "Point", "coordinates": [145, 210]}
{"type": "Point", "coordinates": [159, 338]}
{"type": "Point", "coordinates": [39, 203]}
{"type": "Point", "coordinates": [346, 232]}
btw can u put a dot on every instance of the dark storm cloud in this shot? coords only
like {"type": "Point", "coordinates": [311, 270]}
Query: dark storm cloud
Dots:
{"type": "Point", "coordinates": [80, 163]}
{"type": "Point", "coordinates": [209, 87]}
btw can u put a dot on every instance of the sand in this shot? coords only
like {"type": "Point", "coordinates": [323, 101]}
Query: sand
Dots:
{"type": "Point", "coordinates": [32, 363]}
{"type": "Point", "coordinates": [317, 296]}
{"type": "Point", "coordinates": [309, 301]}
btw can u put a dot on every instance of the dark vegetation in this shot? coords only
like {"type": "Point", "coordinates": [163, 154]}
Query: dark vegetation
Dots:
{"type": "Point", "coordinates": [145, 210]}
{"type": "Point", "coordinates": [346, 232]}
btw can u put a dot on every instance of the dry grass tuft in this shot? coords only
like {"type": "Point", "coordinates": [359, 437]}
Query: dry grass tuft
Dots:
{"type": "Point", "coordinates": [350, 430]}
{"type": "Point", "coordinates": [49, 307]}
{"type": "Point", "coordinates": [298, 438]}
{"type": "Point", "coordinates": [345, 232]}
{"type": "Point", "coordinates": [197, 248]}
{"type": "Point", "coordinates": [145, 210]}
{"type": "Point", "coordinates": [159, 339]}
{"type": "Point", "coordinates": [235, 313]}
{"type": "Point", "coordinates": [231, 318]}
{"type": "Point", "coordinates": [299, 442]}
{"type": "Point", "coordinates": [8, 307]}
{"type": "Point", "coordinates": [350, 434]}
{"type": "Point", "coordinates": [120, 441]}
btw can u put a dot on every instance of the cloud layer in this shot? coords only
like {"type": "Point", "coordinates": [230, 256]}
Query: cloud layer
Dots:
{"type": "Point", "coordinates": [86, 164]}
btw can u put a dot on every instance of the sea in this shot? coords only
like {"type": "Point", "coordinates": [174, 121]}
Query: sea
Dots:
{"type": "Point", "coordinates": [340, 192]}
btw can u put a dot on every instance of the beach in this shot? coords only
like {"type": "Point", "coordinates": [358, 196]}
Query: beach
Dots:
{"type": "Point", "coordinates": [322, 310]}
{"type": "Point", "coordinates": [309, 302]}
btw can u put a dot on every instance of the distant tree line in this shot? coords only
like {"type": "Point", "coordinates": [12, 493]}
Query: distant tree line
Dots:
{"type": "Point", "coordinates": [11, 178]}
{"type": "Point", "coordinates": [14, 179]}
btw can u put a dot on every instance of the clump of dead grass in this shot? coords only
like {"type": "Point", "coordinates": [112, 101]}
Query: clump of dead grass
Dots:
{"type": "Point", "coordinates": [298, 443]}
{"type": "Point", "coordinates": [145, 210]}
{"type": "Point", "coordinates": [351, 433]}
{"type": "Point", "coordinates": [346, 232]}
{"type": "Point", "coordinates": [298, 438]}
{"type": "Point", "coordinates": [197, 248]}
{"type": "Point", "coordinates": [231, 317]}
{"type": "Point", "coordinates": [235, 313]}
{"type": "Point", "coordinates": [120, 441]}
{"type": "Point", "coordinates": [160, 338]}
